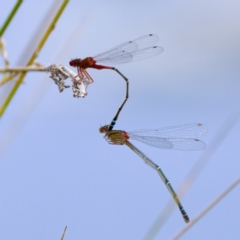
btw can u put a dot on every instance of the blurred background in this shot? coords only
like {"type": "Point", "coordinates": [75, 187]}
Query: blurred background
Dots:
{"type": "Point", "coordinates": [57, 170]}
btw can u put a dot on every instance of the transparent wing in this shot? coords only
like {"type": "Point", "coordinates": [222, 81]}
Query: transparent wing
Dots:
{"type": "Point", "coordinates": [182, 144]}
{"type": "Point", "coordinates": [192, 130]}
{"type": "Point", "coordinates": [146, 53]}
{"type": "Point", "coordinates": [124, 57]}
{"type": "Point", "coordinates": [153, 141]}
{"type": "Point", "coordinates": [127, 51]}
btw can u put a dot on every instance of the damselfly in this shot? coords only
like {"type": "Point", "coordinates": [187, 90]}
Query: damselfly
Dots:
{"type": "Point", "coordinates": [138, 49]}
{"type": "Point", "coordinates": [181, 137]}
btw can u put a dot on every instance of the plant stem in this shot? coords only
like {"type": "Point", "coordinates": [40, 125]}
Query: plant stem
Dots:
{"type": "Point", "coordinates": [30, 62]}
{"type": "Point", "coordinates": [10, 16]}
{"type": "Point", "coordinates": [21, 69]}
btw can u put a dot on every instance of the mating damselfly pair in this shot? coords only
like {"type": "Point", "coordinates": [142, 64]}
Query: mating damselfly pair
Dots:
{"type": "Point", "coordinates": [181, 137]}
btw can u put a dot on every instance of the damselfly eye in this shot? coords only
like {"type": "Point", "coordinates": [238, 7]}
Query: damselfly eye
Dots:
{"type": "Point", "coordinates": [75, 62]}
{"type": "Point", "coordinates": [103, 129]}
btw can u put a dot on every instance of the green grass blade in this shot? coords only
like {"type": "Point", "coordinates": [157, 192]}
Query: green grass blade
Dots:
{"type": "Point", "coordinates": [10, 17]}
{"type": "Point", "coordinates": [34, 55]}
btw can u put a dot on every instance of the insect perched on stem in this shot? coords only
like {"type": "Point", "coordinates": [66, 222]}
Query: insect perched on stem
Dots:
{"type": "Point", "coordinates": [135, 50]}
{"type": "Point", "coordinates": [181, 137]}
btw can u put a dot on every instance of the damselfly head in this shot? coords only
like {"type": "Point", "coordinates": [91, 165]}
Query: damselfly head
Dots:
{"type": "Point", "coordinates": [75, 62]}
{"type": "Point", "coordinates": [104, 129]}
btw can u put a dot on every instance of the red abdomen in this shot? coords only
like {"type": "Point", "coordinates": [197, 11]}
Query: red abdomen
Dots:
{"type": "Point", "coordinates": [88, 62]}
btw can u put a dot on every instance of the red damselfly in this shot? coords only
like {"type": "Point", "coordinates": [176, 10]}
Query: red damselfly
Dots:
{"type": "Point", "coordinates": [135, 50]}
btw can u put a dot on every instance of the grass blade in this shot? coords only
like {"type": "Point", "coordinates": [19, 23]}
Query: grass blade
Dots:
{"type": "Point", "coordinates": [33, 57]}
{"type": "Point", "coordinates": [207, 209]}
{"type": "Point", "coordinates": [10, 17]}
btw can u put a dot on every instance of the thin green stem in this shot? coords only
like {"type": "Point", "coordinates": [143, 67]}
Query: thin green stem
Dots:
{"type": "Point", "coordinates": [30, 62]}
{"type": "Point", "coordinates": [10, 17]}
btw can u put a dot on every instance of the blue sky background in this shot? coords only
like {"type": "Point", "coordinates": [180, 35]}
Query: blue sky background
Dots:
{"type": "Point", "coordinates": [57, 170]}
